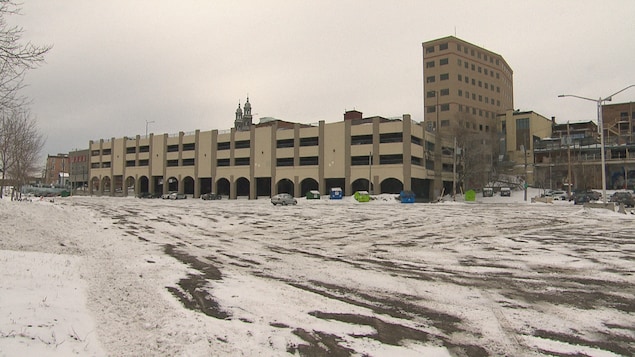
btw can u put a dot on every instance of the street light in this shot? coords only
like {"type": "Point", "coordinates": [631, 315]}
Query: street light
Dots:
{"type": "Point", "coordinates": [599, 102]}
{"type": "Point", "coordinates": [148, 122]}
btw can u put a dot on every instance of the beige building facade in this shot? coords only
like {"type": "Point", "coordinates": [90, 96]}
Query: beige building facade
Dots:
{"type": "Point", "coordinates": [274, 157]}
{"type": "Point", "coordinates": [464, 86]}
{"type": "Point", "coordinates": [519, 131]}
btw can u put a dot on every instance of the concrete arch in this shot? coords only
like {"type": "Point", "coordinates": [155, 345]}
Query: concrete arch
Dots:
{"type": "Point", "coordinates": [391, 185]}
{"type": "Point", "coordinates": [223, 187]}
{"type": "Point", "coordinates": [95, 185]}
{"type": "Point", "coordinates": [361, 184]}
{"type": "Point", "coordinates": [188, 185]}
{"type": "Point", "coordinates": [143, 184]}
{"type": "Point", "coordinates": [309, 184]}
{"type": "Point", "coordinates": [105, 185]}
{"type": "Point", "coordinates": [242, 187]}
{"type": "Point", "coordinates": [130, 186]}
{"type": "Point", "coordinates": [173, 184]}
{"type": "Point", "coordinates": [285, 186]}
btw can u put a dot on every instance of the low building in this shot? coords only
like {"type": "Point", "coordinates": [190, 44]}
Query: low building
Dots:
{"type": "Point", "coordinates": [376, 154]}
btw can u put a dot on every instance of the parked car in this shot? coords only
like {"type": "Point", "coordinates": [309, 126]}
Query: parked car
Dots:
{"type": "Point", "coordinates": [559, 195]}
{"type": "Point", "coordinates": [506, 192]}
{"type": "Point", "coordinates": [580, 198]}
{"type": "Point", "coordinates": [623, 197]}
{"type": "Point", "coordinates": [283, 199]}
{"type": "Point", "coordinates": [177, 196]}
{"type": "Point", "coordinates": [166, 196]}
{"type": "Point", "coordinates": [211, 196]}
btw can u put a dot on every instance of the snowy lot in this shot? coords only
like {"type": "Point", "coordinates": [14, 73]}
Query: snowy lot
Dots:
{"type": "Point", "coordinates": [125, 276]}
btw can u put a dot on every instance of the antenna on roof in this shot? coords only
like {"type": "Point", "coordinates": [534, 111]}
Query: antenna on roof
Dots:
{"type": "Point", "coordinates": [455, 31]}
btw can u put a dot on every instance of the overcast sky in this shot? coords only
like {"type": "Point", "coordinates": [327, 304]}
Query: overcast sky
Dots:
{"type": "Point", "coordinates": [185, 65]}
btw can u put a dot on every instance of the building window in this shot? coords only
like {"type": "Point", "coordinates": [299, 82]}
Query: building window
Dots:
{"type": "Point", "coordinates": [466, 65]}
{"type": "Point", "coordinates": [312, 141]}
{"type": "Point", "coordinates": [444, 77]}
{"type": "Point", "coordinates": [415, 140]}
{"type": "Point", "coordinates": [106, 152]}
{"type": "Point", "coordinates": [460, 92]}
{"type": "Point", "coordinates": [284, 161]}
{"type": "Point", "coordinates": [131, 150]}
{"type": "Point", "coordinates": [223, 146]}
{"type": "Point", "coordinates": [430, 64]}
{"type": "Point", "coordinates": [416, 161]}
{"type": "Point", "coordinates": [94, 153]}
{"type": "Point", "coordinates": [172, 163]}
{"type": "Point", "coordinates": [460, 78]}
{"type": "Point", "coordinates": [360, 160]}
{"type": "Point", "coordinates": [391, 138]}
{"type": "Point", "coordinates": [430, 49]}
{"type": "Point", "coordinates": [443, 61]}
{"type": "Point", "coordinates": [222, 162]}
{"type": "Point", "coordinates": [445, 123]}
{"type": "Point", "coordinates": [241, 161]}
{"type": "Point", "coordinates": [431, 109]}
{"type": "Point", "coordinates": [473, 67]}
{"type": "Point", "coordinates": [445, 92]}
{"type": "Point", "coordinates": [143, 162]}
{"type": "Point", "coordinates": [429, 94]}
{"type": "Point", "coordinates": [144, 148]}
{"type": "Point", "coordinates": [130, 163]}
{"type": "Point", "coordinates": [361, 139]}
{"type": "Point", "coordinates": [189, 147]}
{"type": "Point", "coordinates": [430, 79]}
{"type": "Point", "coordinates": [473, 82]}
{"type": "Point", "coordinates": [173, 148]}
{"type": "Point", "coordinates": [459, 62]}
{"type": "Point", "coordinates": [445, 107]}
{"type": "Point", "coordinates": [391, 159]}
{"type": "Point", "coordinates": [94, 165]}
{"type": "Point", "coordinates": [188, 162]}
{"type": "Point", "coordinates": [309, 161]}
{"type": "Point", "coordinates": [242, 144]}
{"type": "Point", "coordinates": [105, 165]}
{"type": "Point", "coordinates": [443, 46]}
{"type": "Point", "coordinates": [480, 84]}
{"type": "Point", "coordinates": [284, 143]}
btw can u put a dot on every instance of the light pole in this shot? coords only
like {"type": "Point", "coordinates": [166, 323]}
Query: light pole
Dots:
{"type": "Point", "coordinates": [148, 122]}
{"type": "Point", "coordinates": [599, 102]}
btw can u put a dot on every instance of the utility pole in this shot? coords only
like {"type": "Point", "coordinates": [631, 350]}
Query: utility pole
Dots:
{"type": "Point", "coordinates": [454, 172]}
{"type": "Point", "coordinates": [525, 155]}
{"type": "Point", "coordinates": [370, 165]}
{"type": "Point", "coordinates": [569, 158]}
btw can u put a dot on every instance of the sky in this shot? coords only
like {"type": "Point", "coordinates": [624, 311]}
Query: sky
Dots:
{"type": "Point", "coordinates": [117, 67]}
{"type": "Point", "coordinates": [78, 278]}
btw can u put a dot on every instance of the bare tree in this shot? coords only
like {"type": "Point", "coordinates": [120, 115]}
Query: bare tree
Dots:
{"type": "Point", "coordinates": [477, 162]}
{"type": "Point", "coordinates": [20, 146]}
{"type": "Point", "coordinates": [15, 57]}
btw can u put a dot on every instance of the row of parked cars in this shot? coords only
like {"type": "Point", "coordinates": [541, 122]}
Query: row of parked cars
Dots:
{"type": "Point", "coordinates": [619, 197]}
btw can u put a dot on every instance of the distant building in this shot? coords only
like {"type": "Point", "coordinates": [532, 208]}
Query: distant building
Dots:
{"type": "Point", "coordinates": [619, 123]}
{"type": "Point", "coordinates": [79, 169]}
{"type": "Point", "coordinates": [518, 133]}
{"type": "Point", "coordinates": [244, 118]}
{"type": "Point", "coordinates": [55, 166]}
{"type": "Point", "coordinates": [465, 86]}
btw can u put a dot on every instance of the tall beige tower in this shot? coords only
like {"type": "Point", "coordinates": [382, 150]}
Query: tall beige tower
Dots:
{"type": "Point", "coordinates": [465, 86]}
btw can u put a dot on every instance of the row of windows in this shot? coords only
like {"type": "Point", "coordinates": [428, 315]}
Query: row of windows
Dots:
{"type": "Point", "coordinates": [471, 51]}
{"type": "Point", "coordinates": [481, 84]}
{"type": "Point", "coordinates": [446, 92]}
{"type": "Point", "coordinates": [477, 111]}
{"type": "Point", "coordinates": [467, 65]}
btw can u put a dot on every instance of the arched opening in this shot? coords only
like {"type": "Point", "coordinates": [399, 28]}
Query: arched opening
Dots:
{"type": "Point", "coordinates": [94, 185]}
{"type": "Point", "coordinates": [242, 187]}
{"type": "Point", "coordinates": [360, 185]}
{"type": "Point", "coordinates": [144, 184]}
{"type": "Point", "coordinates": [206, 185]}
{"type": "Point", "coordinates": [222, 185]}
{"type": "Point", "coordinates": [308, 184]}
{"type": "Point", "coordinates": [391, 185]}
{"type": "Point", "coordinates": [188, 185]}
{"type": "Point", "coordinates": [285, 186]}
{"type": "Point", "coordinates": [105, 184]}
{"type": "Point", "coordinates": [173, 184]}
{"type": "Point", "coordinates": [130, 186]}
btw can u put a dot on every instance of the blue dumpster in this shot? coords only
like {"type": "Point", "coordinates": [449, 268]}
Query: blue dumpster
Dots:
{"type": "Point", "coordinates": [407, 196]}
{"type": "Point", "coordinates": [336, 193]}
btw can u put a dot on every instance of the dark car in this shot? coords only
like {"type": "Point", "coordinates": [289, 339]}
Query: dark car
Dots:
{"type": "Point", "coordinates": [623, 197]}
{"type": "Point", "coordinates": [211, 196]}
{"type": "Point", "coordinates": [582, 198]}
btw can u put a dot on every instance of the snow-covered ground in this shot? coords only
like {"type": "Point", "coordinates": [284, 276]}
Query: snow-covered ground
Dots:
{"type": "Point", "coordinates": [95, 276]}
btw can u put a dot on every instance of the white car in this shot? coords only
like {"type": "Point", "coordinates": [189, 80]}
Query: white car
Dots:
{"type": "Point", "coordinates": [283, 199]}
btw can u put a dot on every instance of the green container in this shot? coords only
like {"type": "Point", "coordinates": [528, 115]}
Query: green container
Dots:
{"type": "Point", "coordinates": [313, 195]}
{"type": "Point", "coordinates": [362, 196]}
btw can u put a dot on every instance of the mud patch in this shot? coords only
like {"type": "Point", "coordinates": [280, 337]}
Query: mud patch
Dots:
{"type": "Point", "coordinates": [193, 290]}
